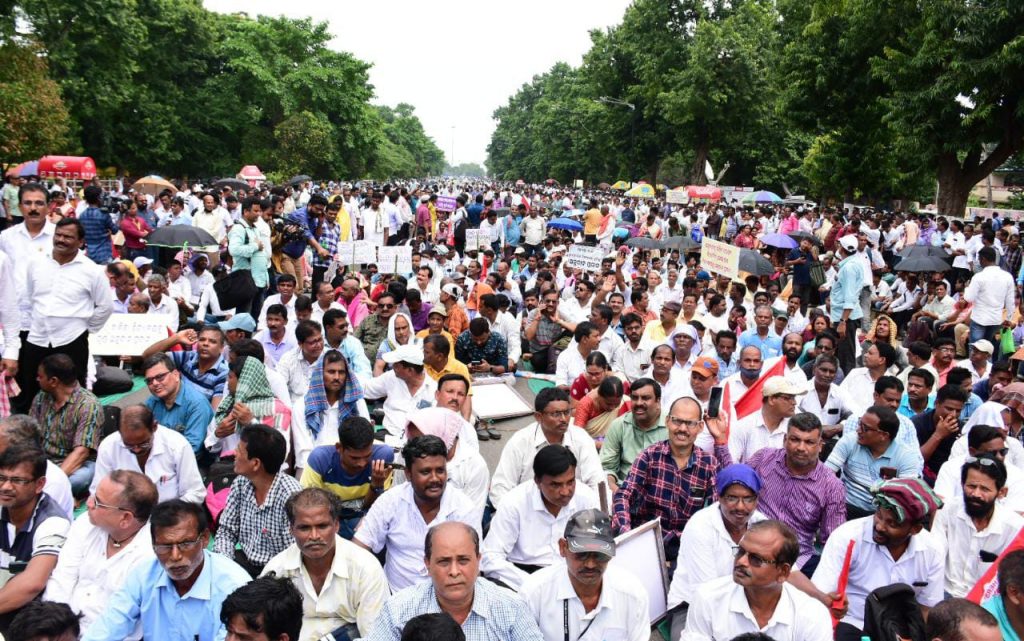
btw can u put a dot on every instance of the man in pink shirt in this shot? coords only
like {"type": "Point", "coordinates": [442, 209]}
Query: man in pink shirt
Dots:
{"type": "Point", "coordinates": [354, 301]}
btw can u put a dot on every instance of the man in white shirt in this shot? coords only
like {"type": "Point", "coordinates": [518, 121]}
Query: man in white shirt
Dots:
{"type": "Point", "coordinates": [977, 361]}
{"type": "Point", "coordinates": [21, 242]}
{"type": "Point", "coordinates": [589, 597]}
{"type": "Point", "coordinates": [766, 427]}
{"type": "Point", "coordinates": [534, 228]}
{"type": "Point", "coordinates": [573, 360]}
{"type": "Point", "coordinates": [992, 290]}
{"type": "Point", "coordinates": [757, 596]}
{"type": "Point", "coordinates": [552, 427]}
{"type": "Point", "coordinates": [285, 296]}
{"type": "Point", "coordinates": [296, 366]}
{"type": "Point", "coordinates": [975, 528]}
{"type": "Point", "coordinates": [324, 302]}
{"type": "Point", "coordinates": [635, 354]}
{"type": "Point", "coordinates": [524, 533]}
{"type": "Point", "coordinates": [859, 383]}
{"type": "Point", "coordinates": [213, 219]}
{"type": "Point", "coordinates": [826, 400]}
{"type": "Point", "coordinates": [104, 545]}
{"type": "Point", "coordinates": [70, 299]}
{"type": "Point", "coordinates": [161, 454]}
{"type": "Point", "coordinates": [983, 440]}
{"type": "Point", "coordinates": [343, 586]}
{"type": "Point", "coordinates": [160, 304]}
{"type": "Point", "coordinates": [891, 546]}
{"type": "Point", "coordinates": [399, 519]}
{"type": "Point", "coordinates": [404, 388]}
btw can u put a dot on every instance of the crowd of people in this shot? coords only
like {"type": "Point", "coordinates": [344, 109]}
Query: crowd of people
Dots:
{"type": "Point", "coordinates": [307, 460]}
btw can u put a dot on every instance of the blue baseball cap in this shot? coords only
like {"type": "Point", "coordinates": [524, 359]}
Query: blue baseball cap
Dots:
{"type": "Point", "coordinates": [241, 321]}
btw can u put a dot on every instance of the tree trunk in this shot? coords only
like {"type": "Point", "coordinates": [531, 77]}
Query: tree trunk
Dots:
{"type": "Point", "coordinates": [703, 147]}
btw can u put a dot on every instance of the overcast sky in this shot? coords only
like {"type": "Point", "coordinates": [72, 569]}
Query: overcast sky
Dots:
{"type": "Point", "coordinates": [456, 61]}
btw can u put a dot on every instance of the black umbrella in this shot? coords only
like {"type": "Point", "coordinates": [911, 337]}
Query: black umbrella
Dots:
{"type": "Point", "coordinates": [644, 242]}
{"type": "Point", "coordinates": [180, 236]}
{"type": "Point", "coordinates": [800, 235]}
{"type": "Point", "coordinates": [301, 178]}
{"type": "Point", "coordinates": [682, 243]}
{"type": "Point", "coordinates": [233, 183]}
{"type": "Point", "coordinates": [923, 263]}
{"type": "Point", "coordinates": [754, 263]}
{"type": "Point", "coordinates": [924, 250]}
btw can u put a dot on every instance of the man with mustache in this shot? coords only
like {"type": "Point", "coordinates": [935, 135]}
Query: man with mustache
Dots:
{"type": "Point", "coordinates": [976, 528]}
{"type": "Point", "coordinates": [756, 597]}
{"type": "Point", "coordinates": [342, 585]}
{"type": "Point", "coordinates": [595, 599]}
{"type": "Point", "coordinates": [891, 546]}
{"type": "Point", "coordinates": [178, 594]}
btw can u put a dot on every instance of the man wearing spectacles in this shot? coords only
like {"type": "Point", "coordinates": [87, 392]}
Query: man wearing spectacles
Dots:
{"type": "Point", "coordinates": [105, 544]}
{"type": "Point", "coordinates": [39, 527]}
{"type": "Point", "coordinates": [670, 480]}
{"type": "Point", "coordinates": [983, 440]}
{"type": "Point", "coordinates": [871, 455]}
{"type": "Point", "coordinates": [767, 427]}
{"type": "Point", "coordinates": [176, 403]}
{"type": "Point", "coordinates": [178, 594]}
{"type": "Point", "coordinates": [756, 597]}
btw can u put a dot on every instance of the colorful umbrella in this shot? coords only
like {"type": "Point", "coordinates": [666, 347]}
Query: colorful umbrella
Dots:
{"type": "Point", "coordinates": [30, 168]}
{"type": "Point", "coordinates": [762, 197]}
{"type": "Point", "coordinates": [781, 241]}
{"type": "Point", "coordinates": [622, 184]}
{"type": "Point", "coordinates": [642, 190]}
{"type": "Point", "coordinates": [566, 223]}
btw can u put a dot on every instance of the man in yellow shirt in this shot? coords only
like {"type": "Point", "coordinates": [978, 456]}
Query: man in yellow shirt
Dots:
{"type": "Point", "coordinates": [437, 363]}
{"type": "Point", "coordinates": [436, 320]}
{"type": "Point", "coordinates": [592, 223]}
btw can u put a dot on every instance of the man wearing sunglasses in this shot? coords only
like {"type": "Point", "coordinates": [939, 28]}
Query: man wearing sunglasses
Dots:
{"type": "Point", "coordinates": [178, 594]}
{"type": "Point", "coordinates": [757, 590]}
{"type": "Point", "coordinates": [983, 440]}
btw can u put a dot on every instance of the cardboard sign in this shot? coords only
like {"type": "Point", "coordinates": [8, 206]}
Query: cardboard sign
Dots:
{"type": "Point", "coordinates": [720, 258]}
{"type": "Point", "coordinates": [585, 257]}
{"type": "Point", "coordinates": [394, 260]}
{"type": "Point", "coordinates": [129, 334]}
{"type": "Point", "coordinates": [676, 197]}
{"type": "Point", "coordinates": [446, 203]}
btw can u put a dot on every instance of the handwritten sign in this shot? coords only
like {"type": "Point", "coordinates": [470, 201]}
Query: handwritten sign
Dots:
{"type": "Point", "coordinates": [676, 197]}
{"type": "Point", "coordinates": [720, 258]}
{"type": "Point", "coordinates": [446, 203]}
{"type": "Point", "coordinates": [128, 334]}
{"type": "Point", "coordinates": [394, 260]}
{"type": "Point", "coordinates": [356, 252]}
{"type": "Point", "coordinates": [585, 257]}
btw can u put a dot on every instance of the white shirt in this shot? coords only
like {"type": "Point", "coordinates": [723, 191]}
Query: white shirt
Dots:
{"type": "Point", "coordinates": [508, 328]}
{"type": "Point", "coordinates": [395, 522]}
{"type": "Point", "coordinates": [524, 531]}
{"type": "Point", "coordinates": [198, 284]}
{"type": "Point", "coordinates": [353, 592]}
{"type": "Point", "coordinates": [622, 612]}
{"type": "Point", "coordinates": [318, 312]}
{"type": "Point", "coordinates": [859, 386]}
{"type": "Point", "coordinates": [171, 465]}
{"type": "Point", "coordinates": [303, 440]}
{"type": "Point", "coordinates": [571, 310]}
{"type": "Point", "coordinates": [976, 376]}
{"type": "Point", "coordinates": [468, 470]}
{"type": "Point", "coordinates": [397, 400]}
{"type": "Point", "coordinates": [709, 553]}
{"type": "Point", "coordinates": [67, 300]}
{"type": "Point", "coordinates": [837, 408]}
{"type": "Point", "coordinates": [794, 374]}
{"type": "Point", "coordinates": [516, 463]}
{"type": "Point", "coordinates": [168, 308]}
{"type": "Point", "coordinates": [964, 544]}
{"type": "Point", "coordinates": [21, 247]}
{"type": "Point", "coordinates": [533, 230]}
{"type": "Point", "coordinates": [296, 371]}
{"type": "Point", "coordinates": [58, 488]}
{"type": "Point", "coordinates": [569, 366]}
{"type": "Point", "coordinates": [949, 487]}
{"type": "Point", "coordinates": [721, 611]}
{"type": "Point", "coordinates": [992, 291]}
{"type": "Point", "coordinates": [750, 435]}
{"type": "Point", "coordinates": [10, 315]}
{"type": "Point", "coordinates": [275, 299]}
{"type": "Point", "coordinates": [921, 566]}
{"type": "Point", "coordinates": [636, 363]}
{"type": "Point", "coordinates": [85, 577]}
{"type": "Point", "coordinates": [180, 288]}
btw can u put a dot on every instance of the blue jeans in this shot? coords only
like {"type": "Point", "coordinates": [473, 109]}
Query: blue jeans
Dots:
{"type": "Point", "coordinates": [81, 479]}
{"type": "Point", "coordinates": [987, 332]}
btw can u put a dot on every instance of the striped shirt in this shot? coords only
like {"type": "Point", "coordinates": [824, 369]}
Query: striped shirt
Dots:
{"type": "Point", "coordinates": [77, 423]}
{"type": "Point", "coordinates": [323, 469]}
{"type": "Point", "coordinates": [861, 469]}
{"type": "Point", "coordinates": [811, 504]}
{"type": "Point", "coordinates": [261, 530]}
{"type": "Point", "coordinates": [210, 382]}
{"type": "Point", "coordinates": [330, 232]}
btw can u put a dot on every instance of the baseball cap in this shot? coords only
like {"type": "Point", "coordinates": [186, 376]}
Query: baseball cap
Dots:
{"type": "Point", "coordinates": [412, 354]}
{"type": "Point", "coordinates": [780, 385]}
{"type": "Point", "coordinates": [703, 275]}
{"type": "Point", "coordinates": [672, 306]}
{"type": "Point", "coordinates": [983, 345]}
{"type": "Point", "coordinates": [452, 290]}
{"type": "Point", "coordinates": [440, 310]}
{"type": "Point", "coordinates": [519, 250]}
{"type": "Point", "coordinates": [705, 366]}
{"type": "Point", "coordinates": [738, 473]}
{"type": "Point", "coordinates": [590, 531]}
{"type": "Point", "coordinates": [849, 242]}
{"type": "Point", "coordinates": [142, 261]}
{"type": "Point", "coordinates": [241, 321]}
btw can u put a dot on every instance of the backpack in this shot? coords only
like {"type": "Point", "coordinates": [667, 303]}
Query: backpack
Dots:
{"type": "Point", "coordinates": [459, 233]}
{"type": "Point", "coordinates": [891, 613]}
{"type": "Point", "coordinates": [697, 234]}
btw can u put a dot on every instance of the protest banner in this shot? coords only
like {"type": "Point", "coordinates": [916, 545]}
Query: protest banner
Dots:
{"type": "Point", "coordinates": [677, 197]}
{"type": "Point", "coordinates": [720, 258]}
{"type": "Point", "coordinates": [585, 257]}
{"type": "Point", "coordinates": [363, 252]}
{"type": "Point", "coordinates": [394, 260]}
{"type": "Point", "coordinates": [129, 334]}
{"type": "Point", "coordinates": [344, 253]}
{"type": "Point", "coordinates": [446, 203]}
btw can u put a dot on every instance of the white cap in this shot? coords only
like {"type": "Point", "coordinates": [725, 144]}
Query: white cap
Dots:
{"type": "Point", "coordinates": [778, 385]}
{"type": "Point", "coordinates": [452, 290]}
{"type": "Point", "coordinates": [141, 261]}
{"type": "Point", "coordinates": [983, 345]}
{"type": "Point", "coordinates": [849, 242]}
{"type": "Point", "coordinates": [412, 354]}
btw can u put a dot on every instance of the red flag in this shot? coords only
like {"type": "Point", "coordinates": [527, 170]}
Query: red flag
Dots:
{"type": "Point", "coordinates": [844, 577]}
{"type": "Point", "coordinates": [751, 400]}
{"type": "Point", "coordinates": [724, 410]}
{"type": "Point", "coordinates": [988, 585]}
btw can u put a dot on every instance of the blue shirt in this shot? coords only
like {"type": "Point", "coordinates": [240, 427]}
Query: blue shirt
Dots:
{"type": "Point", "coordinates": [473, 214]}
{"type": "Point", "coordinates": [296, 248]}
{"type": "Point", "coordinates": [907, 436]}
{"type": "Point", "coordinates": [148, 595]}
{"type": "Point", "coordinates": [998, 610]}
{"type": "Point", "coordinates": [801, 271]}
{"type": "Point", "coordinates": [973, 402]}
{"type": "Point", "coordinates": [210, 382]}
{"type": "Point", "coordinates": [189, 416]}
{"type": "Point", "coordinates": [498, 614]}
{"type": "Point", "coordinates": [98, 228]}
{"type": "Point", "coordinates": [275, 350]}
{"type": "Point", "coordinates": [905, 409]}
{"type": "Point", "coordinates": [770, 346]}
{"type": "Point", "coordinates": [846, 290]}
{"type": "Point", "coordinates": [861, 469]}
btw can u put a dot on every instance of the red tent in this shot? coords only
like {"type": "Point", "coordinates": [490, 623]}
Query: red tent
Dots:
{"type": "Point", "coordinates": [252, 175]}
{"type": "Point", "coordinates": [74, 167]}
{"type": "Point", "coordinates": [704, 192]}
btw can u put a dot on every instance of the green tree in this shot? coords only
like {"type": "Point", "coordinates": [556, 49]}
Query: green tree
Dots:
{"type": "Point", "coordinates": [33, 118]}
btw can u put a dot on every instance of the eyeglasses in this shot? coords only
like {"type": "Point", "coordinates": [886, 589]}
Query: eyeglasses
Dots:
{"type": "Point", "coordinates": [384, 306]}
{"type": "Point", "coordinates": [139, 447]}
{"type": "Point", "coordinates": [862, 428]}
{"type": "Point", "coordinates": [184, 546]}
{"type": "Point", "coordinates": [100, 504]}
{"type": "Point", "coordinates": [984, 462]}
{"type": "Point", "coordinates": [159, 378]}
{"type": "Point", "coordinates": [756, 560]}
{"type": "Point", "coordinates": [689, 424]}
{"type": "Point", "coordinates": [14, 480]}
{"type": "Point", "coordinates": [736, 500]}
{"type": "Point", "coordinates": [559, 414]}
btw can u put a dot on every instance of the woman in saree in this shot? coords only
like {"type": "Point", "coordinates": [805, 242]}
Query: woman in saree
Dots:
{"type": "Point", "coordinates": [601, 405]}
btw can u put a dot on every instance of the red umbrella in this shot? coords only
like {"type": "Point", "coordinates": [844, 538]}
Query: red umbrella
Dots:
{"type": "Point", "coordinates": [703, 192]}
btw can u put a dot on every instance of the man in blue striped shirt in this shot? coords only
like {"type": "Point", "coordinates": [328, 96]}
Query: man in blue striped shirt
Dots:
{"type": "Point", "coordinates": [846, 311]}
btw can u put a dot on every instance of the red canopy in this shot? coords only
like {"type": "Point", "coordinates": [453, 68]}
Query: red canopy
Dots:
{"type": "Point", "coordinates": [705, 192]}
{"type": "Point", "coordinates": [251, 172]}
{"type": "Point", "coordinates": [75, 167]}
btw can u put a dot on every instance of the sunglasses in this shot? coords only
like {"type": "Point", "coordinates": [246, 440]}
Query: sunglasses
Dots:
{"type": "Point", "coordinates": [756, 560]}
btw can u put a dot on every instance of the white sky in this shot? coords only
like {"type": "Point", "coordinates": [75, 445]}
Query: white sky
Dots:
{"type": "Point", "coordinates": [483, 49]}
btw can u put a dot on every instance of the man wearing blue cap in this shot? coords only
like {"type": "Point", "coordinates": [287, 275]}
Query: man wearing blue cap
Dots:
{"type": "Point", "coordinates": [710, 536]}
{"type": "Point", "coordinates": [238, 327]}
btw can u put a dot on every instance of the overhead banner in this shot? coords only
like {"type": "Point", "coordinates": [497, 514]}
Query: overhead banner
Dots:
{"type": "Point", "coordinates": [585, 257]}
{"type": "Point", "coordinates": [720, 258]}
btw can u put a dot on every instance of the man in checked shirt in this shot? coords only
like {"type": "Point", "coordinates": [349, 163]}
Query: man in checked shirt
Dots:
{"type": "Point", "coordinates": [669, 480]}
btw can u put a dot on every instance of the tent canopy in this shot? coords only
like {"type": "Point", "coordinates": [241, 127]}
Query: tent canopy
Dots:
{"type": "Point", "coordinates": [74, 167]}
